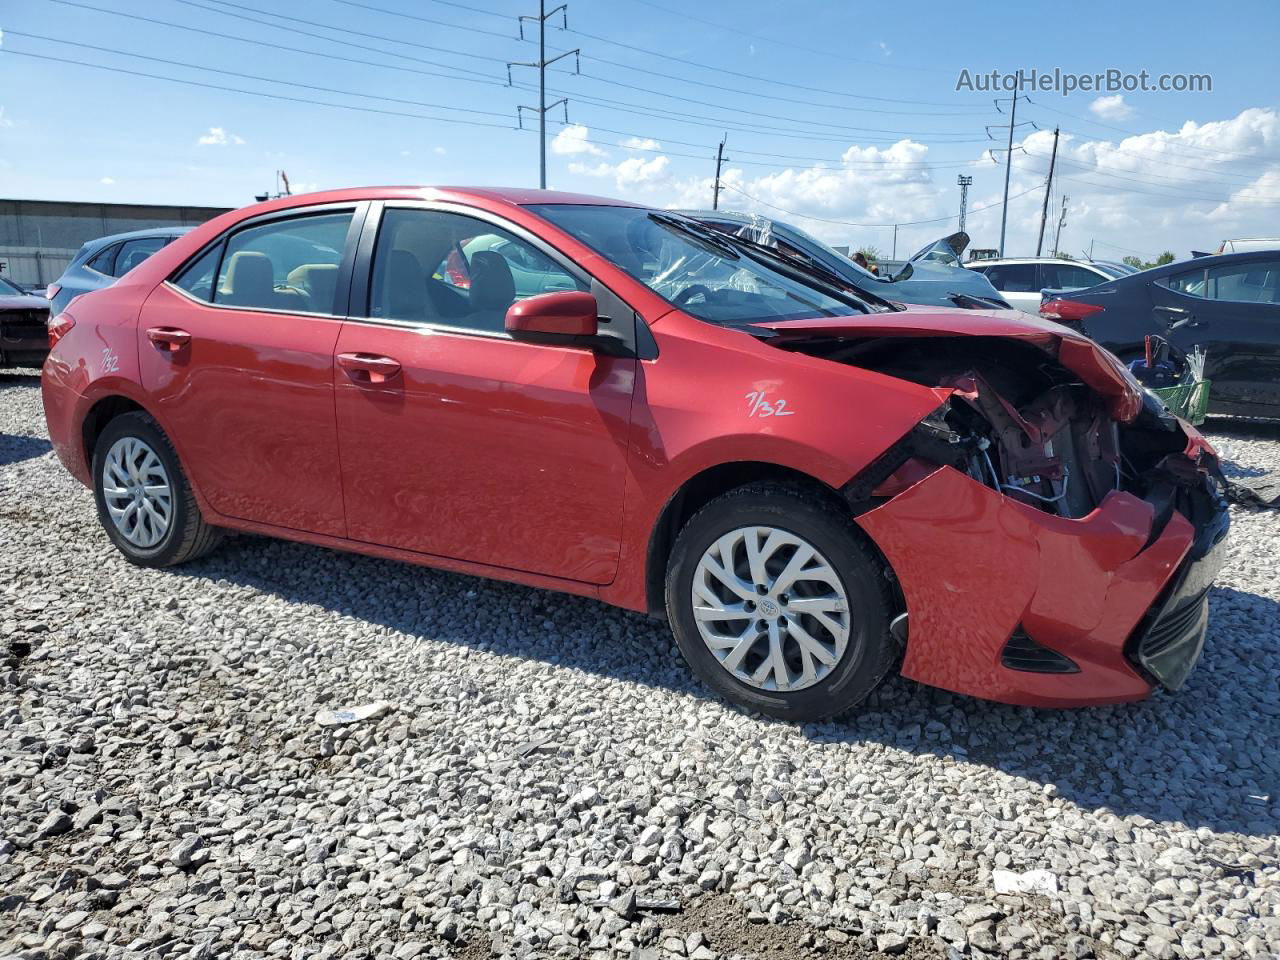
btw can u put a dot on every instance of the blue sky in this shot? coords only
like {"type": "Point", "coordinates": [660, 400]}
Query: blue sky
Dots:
{"type": "Point", "coordinates": [845, 116]}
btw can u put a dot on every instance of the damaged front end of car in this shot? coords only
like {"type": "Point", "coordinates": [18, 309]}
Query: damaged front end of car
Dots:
{"type": "Point", "coordinates": [1053, 530]}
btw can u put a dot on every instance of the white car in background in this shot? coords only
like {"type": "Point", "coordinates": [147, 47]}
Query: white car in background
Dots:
{"type": "Point", "coordinates": [1249, 245]}
{"type": "Point", "coordinates": [1020, 279]}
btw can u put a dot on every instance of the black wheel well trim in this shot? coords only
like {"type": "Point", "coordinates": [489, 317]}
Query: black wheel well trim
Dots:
{"type": "Point", "coordinates": [703, 487]}
{"type": "Point", "coordinates": [104, 410]}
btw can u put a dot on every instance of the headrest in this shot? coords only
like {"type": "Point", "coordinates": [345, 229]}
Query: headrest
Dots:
{"type": "Point", "coordinates": [250, 279]}
{"type": "Point", "coordinates": [492, 286]}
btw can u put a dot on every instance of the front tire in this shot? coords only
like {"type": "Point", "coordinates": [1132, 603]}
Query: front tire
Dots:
{"type": "Point", "coordinates": [778, 604]}
{"type": "Point", "coordinates": [145, 503]}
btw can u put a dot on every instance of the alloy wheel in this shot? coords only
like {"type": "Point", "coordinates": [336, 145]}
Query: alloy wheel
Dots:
{"type": "Point", "coordinates": [137, 492]}
{"type": "Point", "coordinates": [770, 608]}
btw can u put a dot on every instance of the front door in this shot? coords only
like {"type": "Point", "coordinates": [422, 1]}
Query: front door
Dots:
{"type": "Point", "coordinates": [455, 439]}
{"type": "Point", "coordinates": [1232, 312]}
{"type": "Point", "coordinates": [238, 353]}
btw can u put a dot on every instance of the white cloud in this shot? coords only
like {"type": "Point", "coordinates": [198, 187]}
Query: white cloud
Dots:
{"type": "Point", "coordinates": [4, 121]}
{"type": "Point", "coordinates": [404, 153]}
{"type": "Point", "coordinates": [107, 181]}
{"type": "Point", "coordinates": [439, 151]}
{"type": "Point", "coordinates": [640, 143]}
{"type": "Point", "coordinates": [572, 141]}
{"type": "Point", "coordinates": [884, 48]}
{"type": "Point", "coordinates": [1110, 108]}
{"type": "Point", "coordinates": [1180, 189]}
{"type": "Point", "coordinates": [218, 137]}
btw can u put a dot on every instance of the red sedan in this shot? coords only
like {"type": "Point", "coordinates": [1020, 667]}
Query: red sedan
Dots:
{"type": "Point", "coordinates": [596, 397]}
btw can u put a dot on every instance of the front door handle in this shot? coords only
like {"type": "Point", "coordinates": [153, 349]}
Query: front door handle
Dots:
{"type": "Point", "coordinates": [368, 367]}
{"type": "Point", "coordinates": [168, 339]}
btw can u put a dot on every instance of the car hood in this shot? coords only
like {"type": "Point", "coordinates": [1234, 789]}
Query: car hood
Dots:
{"type": "Point", "coordinates": [1094, 365]}
{"type": "Point", "coordinates": [25, 301]}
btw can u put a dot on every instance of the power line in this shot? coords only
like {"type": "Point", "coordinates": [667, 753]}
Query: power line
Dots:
{"type": "Point", "coordinates": [251, 76]}
{"type": "Point", "coordinates": [847, 223]}
{"type": "Point", "coordinates": [1181, 182]}
{"type": "Point", "coordinates": [842, 57]}
{"type": "Point", "coordinates": [251, 93]}
{"type": "Point", "coordinates": [654, 53]}
{"type": "Point", "coordinates": [714, 120]}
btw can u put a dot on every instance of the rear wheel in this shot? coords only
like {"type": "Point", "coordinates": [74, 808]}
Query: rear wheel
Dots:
{"type": "Point", "coordinates": [778, 604]}
{"type": "Point", "coordinates": [144, 501]}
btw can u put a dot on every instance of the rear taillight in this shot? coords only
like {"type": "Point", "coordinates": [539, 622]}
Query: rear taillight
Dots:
{"type": "Point", "coordinates": [59, 327]}
{"type": "Point", "coordinates": [52, 290]}
{"type": "Point", "coordinates": [456, 268]}
{"type": "Point", "coordinates": [1068, 310]}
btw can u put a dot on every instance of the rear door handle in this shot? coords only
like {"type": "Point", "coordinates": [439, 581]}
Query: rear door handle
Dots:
{"type": "Point", "coordinates": [168, 339]}
{"type": "Point", "coordinates": [368, 367]}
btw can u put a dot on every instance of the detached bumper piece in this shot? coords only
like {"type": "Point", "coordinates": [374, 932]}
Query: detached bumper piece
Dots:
{"type": "Point", "coordinates": [1010, 603]}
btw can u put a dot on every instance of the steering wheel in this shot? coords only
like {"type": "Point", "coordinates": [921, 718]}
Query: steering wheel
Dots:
{"type": "Point", "coordinates": [689, 292]}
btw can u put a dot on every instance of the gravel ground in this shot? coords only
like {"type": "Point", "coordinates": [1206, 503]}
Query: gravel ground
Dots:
{"type": "Point", "coordinates": [551, 782]}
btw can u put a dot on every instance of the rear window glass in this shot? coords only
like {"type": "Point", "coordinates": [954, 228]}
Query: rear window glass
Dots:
{"type": "Point", "coordinates": [197, 278]}
{"type": "Point", "coordinates": [289, 265]}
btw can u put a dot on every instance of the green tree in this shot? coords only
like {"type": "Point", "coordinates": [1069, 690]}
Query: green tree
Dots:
{"type": "Point", "coordinates": [1139, 264]}
{"type": "Point", "coordinates": [871, 253]}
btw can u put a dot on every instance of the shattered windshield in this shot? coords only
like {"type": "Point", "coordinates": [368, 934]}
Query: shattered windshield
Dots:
{"type": "Point", "coordinates": [693, 268]}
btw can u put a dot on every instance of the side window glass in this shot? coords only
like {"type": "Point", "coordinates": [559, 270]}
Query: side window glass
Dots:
{"type": "Point", "coordinates": [1191, 282]}
{"type": "Point", "coordinates": [289, 265]}
{"type": "Point", "coordinates": [435, 267]}
{"type": "Point", "coordinates": [133, 252]}
{"type": "Point", "coordinates": [1014, 277]}
{"type": "Point", "coordinates": [1256, 282]}
{"type": "Point", "coordinates": [105, 260]}
{"type": "Point", "coordinates": [1065, 276]}
{"type": "Point", "coordinates": [197, 279]}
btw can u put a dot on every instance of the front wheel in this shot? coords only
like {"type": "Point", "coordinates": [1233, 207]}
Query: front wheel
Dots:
{"type": "Point", "coordinates": [145, 503]}
{"type": "Point", "coordinates": [778, 604]}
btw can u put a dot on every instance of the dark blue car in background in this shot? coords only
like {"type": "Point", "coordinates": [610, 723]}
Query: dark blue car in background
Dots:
{"type": "Point", "coordinates": [1228, 305]}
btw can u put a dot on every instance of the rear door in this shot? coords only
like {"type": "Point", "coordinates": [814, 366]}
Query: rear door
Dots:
{"type": "Point", "coordinates": [1232, 311]}
{"type": "Point", "coordinates": [1018, 283]}
{"type": "Point", "coordinates": [237, 351]}
{"type": "Point", "coordinates": [455, 439]}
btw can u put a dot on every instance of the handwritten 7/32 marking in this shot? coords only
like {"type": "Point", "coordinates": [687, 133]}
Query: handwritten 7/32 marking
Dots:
{"type": "Point", "coordinates": [759, 406]}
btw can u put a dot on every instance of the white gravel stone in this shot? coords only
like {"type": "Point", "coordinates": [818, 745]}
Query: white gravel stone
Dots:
{"type": "Point", "coordinates": [552, 772]}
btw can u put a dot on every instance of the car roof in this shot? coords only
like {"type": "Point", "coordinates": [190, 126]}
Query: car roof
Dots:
{"type": "Point", "coordinates": [519, 196]}
{"type": "Point", "coordinates": [1083, 263]}
{"type": "Point", "coordinates": [148, 232]}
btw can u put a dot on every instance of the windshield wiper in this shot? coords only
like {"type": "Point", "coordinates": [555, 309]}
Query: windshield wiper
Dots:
{"type": "Point", "coordinates": [691, 228]}
{"type": "Point", "coordinates": [833, 282]}
{"type": "Point", "coordinates": [969, 300]}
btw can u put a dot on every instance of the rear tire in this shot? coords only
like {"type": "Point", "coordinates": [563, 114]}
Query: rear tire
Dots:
{"type": "Point", "coordinates": [797, 646]}
{"type": "Point", "coordinates": [145, 503]}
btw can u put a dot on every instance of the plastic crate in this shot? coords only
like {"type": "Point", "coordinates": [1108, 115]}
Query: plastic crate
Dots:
{"type": "Point", "coordinates": [1190, 401]}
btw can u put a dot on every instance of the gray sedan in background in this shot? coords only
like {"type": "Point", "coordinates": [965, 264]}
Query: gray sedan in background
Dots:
{"type": "Point", "coordinates": [99, 262]}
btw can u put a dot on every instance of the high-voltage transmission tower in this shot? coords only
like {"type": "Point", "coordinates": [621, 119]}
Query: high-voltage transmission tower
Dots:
{"type": "Point", "coordinates": [542, 63]}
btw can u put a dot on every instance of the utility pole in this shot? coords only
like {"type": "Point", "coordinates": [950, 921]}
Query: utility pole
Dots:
{"type": "Point", "coordinates": [895, 243]}
{"type": "Point", "coordinates": [542, 63]}
{"type": "Point", "coordinates": [1008, 162]}
{"type": "Point", "coordinates": [1061, 222]}
{"type": "Point", "coordinates": [965, 183]}
{"type": "Point", "coordinates": [1044, 211]}
{"type": "Point", "coordinates": [720, 158]}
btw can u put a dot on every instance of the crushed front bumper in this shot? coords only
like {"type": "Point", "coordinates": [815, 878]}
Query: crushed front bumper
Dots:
{"type": "Point", "coordinates": [1114, 602]}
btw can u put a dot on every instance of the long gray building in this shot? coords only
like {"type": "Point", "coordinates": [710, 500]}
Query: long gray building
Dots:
{"type": "Point", "coordinates": [38, 238]}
